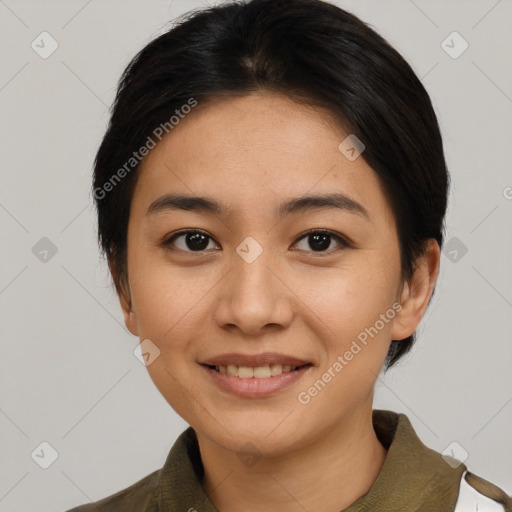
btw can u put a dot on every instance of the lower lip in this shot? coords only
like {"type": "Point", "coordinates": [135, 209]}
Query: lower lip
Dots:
{"type": "Point", "coordinates": [252, 387]}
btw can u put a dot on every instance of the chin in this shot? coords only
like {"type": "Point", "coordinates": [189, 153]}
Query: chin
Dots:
{"type": "Point", "coordinates": [259, 432]}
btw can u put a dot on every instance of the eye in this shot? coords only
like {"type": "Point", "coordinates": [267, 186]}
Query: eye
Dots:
{"type": "Point", "coordinates": [193, 240]}
{"type": "Point", "coordinates": [319, 240]}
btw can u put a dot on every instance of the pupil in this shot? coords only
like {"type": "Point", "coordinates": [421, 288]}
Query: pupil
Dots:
{"type": "Point", "coordinates": [321, 240]}
{"type": "Point", "coordinates": [196, 241]}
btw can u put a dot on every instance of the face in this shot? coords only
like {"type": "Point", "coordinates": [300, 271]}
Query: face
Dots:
{"type": "Point", "coordinates": [256, 288]}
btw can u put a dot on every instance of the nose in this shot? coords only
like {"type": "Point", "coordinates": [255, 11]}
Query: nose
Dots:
{"type": "Point", "coordinates": [253, 297]}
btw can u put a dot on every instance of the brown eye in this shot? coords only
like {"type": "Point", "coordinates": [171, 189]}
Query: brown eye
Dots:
{"type": "Point", "coordinates": [189, 241]}
{"type": "Point", "coordinates": [321, 240]}
{"type": "Point", "coordinates": [318, 241]}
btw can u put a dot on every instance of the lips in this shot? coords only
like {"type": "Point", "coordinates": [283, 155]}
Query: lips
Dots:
{"type": "Point", "coordinates": [255, 382]}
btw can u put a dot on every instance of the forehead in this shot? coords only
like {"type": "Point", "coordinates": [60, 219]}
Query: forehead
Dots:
{"type": "Point", "coordinates": [254, 150]}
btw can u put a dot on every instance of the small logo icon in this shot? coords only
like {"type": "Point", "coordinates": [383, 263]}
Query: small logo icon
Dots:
{"type": "Point", "coordinates": [44, 45]}
{"type": "Point", "coordinates": [249, 249]}
{"type": "Point", "coordinates": [44, 455]}
{"type": "Point", "coordinates": [454, 454]}
{"type": "Point", "coordinates": [455, 249]}
{"type": "Point", "coordinates": [454, 45]}
{"type": "Point", "coordinates": [249, 455]}
{"type": "Point", "coordinates": [146, 352]}
{"type": "Point", "coordinates": [351, 147]}
{"type": "Point", "coordinates": [44, 250]}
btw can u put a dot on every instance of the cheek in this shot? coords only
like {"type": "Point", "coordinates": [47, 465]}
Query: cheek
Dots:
{"type": "Point", "coordinates": [351, 298]}
{"type": "Point", "coordinates": [168, 302]}
{"type": "Point", "coordinates": [159, 292]}
{"type": "Point", "coordinates": [353, 310]}
{"type": "Point", "coordinates": [170, 305]}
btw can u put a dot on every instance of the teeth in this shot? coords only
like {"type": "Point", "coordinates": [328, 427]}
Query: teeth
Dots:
{"type": "Point", "coordinates": [245, 372]}
{"type": "Point", "coordinates": [276, 369]}
{"type": "Point", "coordinates": [232, 370]}
{"type": "Point", "coordinates": [259, 372]}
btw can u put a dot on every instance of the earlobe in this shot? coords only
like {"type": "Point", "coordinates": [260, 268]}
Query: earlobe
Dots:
{"type": "Point", "coordinates": [417, 292]}
{"type": "Point", "coordinates": [124, 296]}
{"type": "Point", "coordinates": [130, 317]}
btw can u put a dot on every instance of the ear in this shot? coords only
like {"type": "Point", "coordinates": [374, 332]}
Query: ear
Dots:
{"type": "Point", "coordinates": [416, 293]}
{"type": "Point", "coordinates": [124, 295]}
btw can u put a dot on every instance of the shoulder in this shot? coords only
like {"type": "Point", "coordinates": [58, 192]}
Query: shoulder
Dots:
{"type": "Point", "coordinates": [139, 497]}
{"type": "Point", "coordinates": [178, 477]}
{"type": "Point", "coordinates": [479, 495]}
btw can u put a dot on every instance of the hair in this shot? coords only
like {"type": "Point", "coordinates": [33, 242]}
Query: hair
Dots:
{"type": "Point", "coordinates": [308, 50]}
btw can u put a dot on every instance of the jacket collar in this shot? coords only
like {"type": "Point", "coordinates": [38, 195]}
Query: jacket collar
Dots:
{"type": "Point", "coordinates": [413, 476]}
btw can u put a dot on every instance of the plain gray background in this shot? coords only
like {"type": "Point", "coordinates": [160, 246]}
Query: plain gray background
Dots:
{"type": "Point", "coordinates": [68, 375]}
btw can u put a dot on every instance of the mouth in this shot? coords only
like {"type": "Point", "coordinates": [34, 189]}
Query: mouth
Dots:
{"type": "Point", "coordinates": [255, 376]}
{"type": "Point", "coordinates": [257, 372]}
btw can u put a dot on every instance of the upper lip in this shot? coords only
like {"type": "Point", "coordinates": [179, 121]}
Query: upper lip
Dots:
{"type": "Point", "coordinates": [267, 358]}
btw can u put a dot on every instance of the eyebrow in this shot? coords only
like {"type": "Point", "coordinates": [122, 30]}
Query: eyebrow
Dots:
{"type": "Point", "coordinates": [296, 205]}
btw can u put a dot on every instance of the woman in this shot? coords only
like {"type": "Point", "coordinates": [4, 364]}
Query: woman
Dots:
{"type": "Point", "coordinates": [271, 193]}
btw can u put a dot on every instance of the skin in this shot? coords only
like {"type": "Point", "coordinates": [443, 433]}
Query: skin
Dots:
{"type": "Point", "coordinates": [251, 153]}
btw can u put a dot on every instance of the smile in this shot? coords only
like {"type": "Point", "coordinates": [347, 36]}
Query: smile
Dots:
{"type": "Point", "coordinates": [258, 372]}
{"type": "Point", "coordinates": [254, 382]}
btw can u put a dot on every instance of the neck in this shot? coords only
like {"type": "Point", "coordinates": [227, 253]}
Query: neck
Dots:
{"type": "Point", "coordinates": [327, 475]}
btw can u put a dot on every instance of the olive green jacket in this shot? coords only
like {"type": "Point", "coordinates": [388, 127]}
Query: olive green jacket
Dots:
{"type": "Point", "coordinates": [413, 478]}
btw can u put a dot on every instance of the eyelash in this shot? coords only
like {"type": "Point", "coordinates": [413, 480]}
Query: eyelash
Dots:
{"type": "Point", "coordinates": [344, 243]}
